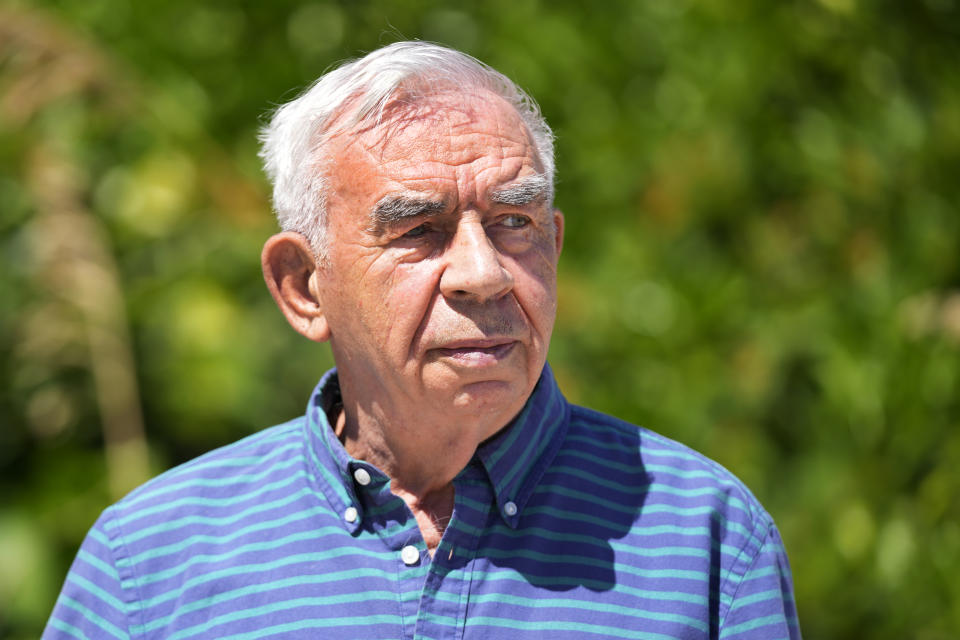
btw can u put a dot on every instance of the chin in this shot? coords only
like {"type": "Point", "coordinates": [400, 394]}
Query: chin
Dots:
{"type": "Point", "coordinates": [491, 388]}
{"type": "Point", "coordinates": [498, 400]}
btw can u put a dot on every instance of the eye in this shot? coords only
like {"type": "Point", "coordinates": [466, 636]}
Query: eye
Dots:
{"type": "Point", "coordinates": [515, 221]}
{"type": "Point", "coordinates": [417, 231]}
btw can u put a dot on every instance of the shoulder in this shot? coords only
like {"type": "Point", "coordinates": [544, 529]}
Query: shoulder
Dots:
{"type": "Point", "coordinates": [674, 507]}
{"type": "Point", "coordinates": [692, 504]}
{"type": "Point", "coordinates": [252, 461]}
{"type": "Point", "coordinates": [668, 468]}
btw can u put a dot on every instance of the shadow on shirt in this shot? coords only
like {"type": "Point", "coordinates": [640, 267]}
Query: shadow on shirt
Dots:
{"type": "Point", "coordinates": [566, 535]}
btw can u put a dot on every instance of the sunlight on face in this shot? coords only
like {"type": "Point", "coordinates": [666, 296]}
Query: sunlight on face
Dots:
{"type": "Point", "coordinates": [440, 289]}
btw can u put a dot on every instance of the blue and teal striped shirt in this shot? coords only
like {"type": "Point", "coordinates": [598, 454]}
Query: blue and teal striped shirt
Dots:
{"type": "Point", "coordinates": [567, 524]}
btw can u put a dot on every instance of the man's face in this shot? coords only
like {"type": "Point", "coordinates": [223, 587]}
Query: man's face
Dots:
{"type": "Point", "coordinates": [440, 287]}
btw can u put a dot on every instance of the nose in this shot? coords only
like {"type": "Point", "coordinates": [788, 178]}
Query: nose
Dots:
{"type": "Point", "coordinates": [473, 269]}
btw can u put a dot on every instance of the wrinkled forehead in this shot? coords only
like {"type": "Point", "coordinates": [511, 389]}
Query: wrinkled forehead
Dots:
{"type": "Point", "coordinates": [428, 120]}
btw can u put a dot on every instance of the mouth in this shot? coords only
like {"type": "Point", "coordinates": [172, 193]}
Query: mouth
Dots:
{"type": "Point", "coordinates": [477, 353]}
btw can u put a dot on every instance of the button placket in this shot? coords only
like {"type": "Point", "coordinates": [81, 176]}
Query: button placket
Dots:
{"type": "Point", "coordinates": [446, 589]}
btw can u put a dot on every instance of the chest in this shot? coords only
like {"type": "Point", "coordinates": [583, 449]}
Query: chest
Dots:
{"type": "Point", "coordinates": [564, 571]}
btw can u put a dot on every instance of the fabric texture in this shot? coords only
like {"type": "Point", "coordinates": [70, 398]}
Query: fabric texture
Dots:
{"type": "Point", "coordinates": [567, 524]}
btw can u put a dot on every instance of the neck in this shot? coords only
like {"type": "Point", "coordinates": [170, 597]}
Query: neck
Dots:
{"type": "Point", "coordinates": [421, 469]}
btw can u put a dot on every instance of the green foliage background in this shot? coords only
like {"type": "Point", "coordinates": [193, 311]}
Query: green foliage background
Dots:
{"type": "Point", "coordinates": [762, 257]}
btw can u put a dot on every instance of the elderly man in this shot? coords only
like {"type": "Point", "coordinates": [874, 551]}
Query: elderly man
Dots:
{"type": "Point", "coordinates": [439, 485]}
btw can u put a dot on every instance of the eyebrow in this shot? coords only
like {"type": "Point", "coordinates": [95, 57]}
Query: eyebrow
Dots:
{"type": "Point", "coordinates": [535, 188]}
{"type": "Point", "coordinates": [392, 209]}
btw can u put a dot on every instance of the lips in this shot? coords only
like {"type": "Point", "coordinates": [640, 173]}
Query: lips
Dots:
{"type": "Point", "coordinates": [477, 352]}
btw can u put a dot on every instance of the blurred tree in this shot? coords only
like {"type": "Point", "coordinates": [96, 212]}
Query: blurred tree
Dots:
{"type": "Point", "coordinates": [761, 261]}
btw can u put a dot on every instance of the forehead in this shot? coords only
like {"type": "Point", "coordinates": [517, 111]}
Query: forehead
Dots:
{"type": "Point", "coordinates": [449, 123]}
{"type": "Point", "coordinates": [468, 141]}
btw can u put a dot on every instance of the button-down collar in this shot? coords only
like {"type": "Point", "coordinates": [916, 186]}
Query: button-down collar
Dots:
{"type": "Point", "coordinates": [514, 459]}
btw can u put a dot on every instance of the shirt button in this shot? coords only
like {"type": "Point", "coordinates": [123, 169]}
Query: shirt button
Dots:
{"type": "Point", "coordinates": [410, 555]}
{"type": "Point", "coordinates": [362, 476]}
{"type": "Point", "coordinates": [351, 515]}
{"type": "Point", "coordinates": [510, 508]}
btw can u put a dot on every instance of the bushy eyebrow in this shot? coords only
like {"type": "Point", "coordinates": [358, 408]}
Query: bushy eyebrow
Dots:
{"type": "Point", "coordinates": [528, 190]}
{"type": "Point", "coordinates": [392, 209]}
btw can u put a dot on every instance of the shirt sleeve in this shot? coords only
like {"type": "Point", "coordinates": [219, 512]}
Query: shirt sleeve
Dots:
{"type": "Point", "coordinates": [763, 605]}
{"type": "Point", "coordinates": [92, 602]}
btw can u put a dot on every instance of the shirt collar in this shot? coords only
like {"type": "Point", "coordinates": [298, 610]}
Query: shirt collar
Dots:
{"type": "Point", "coordinates": [515, 459]}
{"type": "Point", "coordinates": [333, 464]}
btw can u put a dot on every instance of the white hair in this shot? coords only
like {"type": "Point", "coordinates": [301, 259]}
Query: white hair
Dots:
{"type": "Point", "coordinates": [293, 144]}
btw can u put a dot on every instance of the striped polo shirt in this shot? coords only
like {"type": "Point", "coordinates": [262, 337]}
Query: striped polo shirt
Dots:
{"type": "Point", "coordinates": [567, 524]}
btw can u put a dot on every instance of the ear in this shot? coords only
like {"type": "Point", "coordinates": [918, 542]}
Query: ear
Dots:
{"type": "Point", "coordinates": [558, 229]}
{"type": "Point", "coordinates": [290, 270]}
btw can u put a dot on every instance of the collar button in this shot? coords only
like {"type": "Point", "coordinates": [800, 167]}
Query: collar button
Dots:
{"type": "Point", "coordinates": [362, 476]}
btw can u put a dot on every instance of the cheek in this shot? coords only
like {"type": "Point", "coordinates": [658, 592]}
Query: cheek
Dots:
{"type": "Point", "coordinates": [535, 286]}
{"type": "Point", "coordinates": [406, 296]}
{"type": "Point", "coordinates": [410, 285]}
